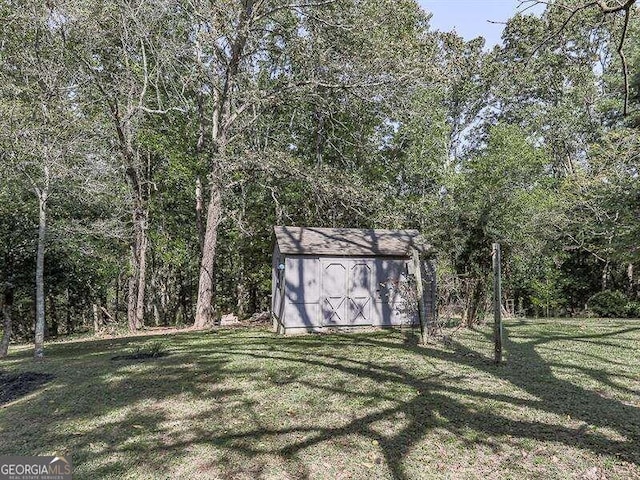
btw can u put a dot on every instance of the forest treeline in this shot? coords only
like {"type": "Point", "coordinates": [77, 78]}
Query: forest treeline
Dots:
{"type": "Point", "coordinates": [148, 147]}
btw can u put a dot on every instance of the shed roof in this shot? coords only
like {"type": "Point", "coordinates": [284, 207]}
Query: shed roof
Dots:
{"type": "Point", "coordinates": [347, 241]}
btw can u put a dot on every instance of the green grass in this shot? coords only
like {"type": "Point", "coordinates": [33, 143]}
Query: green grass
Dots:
{"type": "Point", "coordinates": [250, 404]}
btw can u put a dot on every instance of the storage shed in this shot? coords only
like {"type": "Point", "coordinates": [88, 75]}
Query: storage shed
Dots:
{"type": "Point", "coordinates": [325, 278]}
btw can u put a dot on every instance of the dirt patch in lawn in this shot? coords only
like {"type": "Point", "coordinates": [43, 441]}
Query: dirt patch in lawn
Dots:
{"type": "Point", "coordinates": [16, 385]}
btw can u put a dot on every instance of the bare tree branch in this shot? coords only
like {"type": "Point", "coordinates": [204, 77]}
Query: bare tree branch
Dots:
{"type": "Point", "coordinates": [623, 59]}
{"type": "Point", "coordinates": [606, 9]}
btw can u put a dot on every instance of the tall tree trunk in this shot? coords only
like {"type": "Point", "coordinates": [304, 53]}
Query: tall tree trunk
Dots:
{"type": "Point", "coordinates": [116, 300]}
{"type": "Point", "coordinates": [68, 319]}
{"type": "Point", "coordinates": [42, 230]}
{"type": "Point", "coordinates": [168, 307]}
{"type": "Point", "coordinates": [155, 300]}
{"type": "Point", "coordinates": [253, 299]}
{"type": "Point", "coordinates": [163, 301]}
{"type": "Point", "coordinates": [142, 271]}
{"type": "Point", "coordinates": [7, 308]}
{"type": "Point", "coordinates": [475, 299]}
{"type": "Point", "coordinates": [199, 214]}
{"type": "Point", "coordinates": [132, 296]}
{"type": "Point", "coordinates": [204, 306]}
{"type": "Point", "coordinates": [137, 262]}
{"type": "Point", "coordinates": [319, 138]}
{"type": "Point", "coordinates": [223, 116]}
{"type": "Point", "coordinates": [53, 315]}
{"type": "Point", "coordinates": [184, 307]}
{"type": "Point", "coordinates": [156, 312]}
{"type": "Point", "coordinates": [138, 265]}
{"type": "Point", "coordinates": [630, 286]}
{"type": "Point", "coordinates": [241, 295]}
{"type": "Point", "coordinates": [97, 318]}
{"type": "Point", "coordinates": [606, 273]}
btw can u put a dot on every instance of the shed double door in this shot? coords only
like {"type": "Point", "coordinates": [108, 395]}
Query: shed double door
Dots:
{"type": "Point", "coordinates": [347, 292]}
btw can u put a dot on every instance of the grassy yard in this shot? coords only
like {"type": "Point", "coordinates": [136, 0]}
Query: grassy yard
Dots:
{"type": "Point", "coordinates": [249, 404]}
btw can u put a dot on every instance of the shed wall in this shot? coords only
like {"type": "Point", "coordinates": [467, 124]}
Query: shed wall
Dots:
{"type": "Point", "coordinates": [321, 291]}
{"type": "Point", "coordinates": [302, 291]}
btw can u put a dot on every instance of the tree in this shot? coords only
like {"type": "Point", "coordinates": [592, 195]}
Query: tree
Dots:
{"type": "Point", "coordinates": [130, 53]}
{"type": "Point", "coordinates": [500, 195]}
{"type": "Point", "coordinates": [40, 134]}
{"type": "Point", "coordinates": [253, 55]}
{"type": "Point", "coordinates": [17, 209]}
{"type": "Point", "coordinates": [570, 10]}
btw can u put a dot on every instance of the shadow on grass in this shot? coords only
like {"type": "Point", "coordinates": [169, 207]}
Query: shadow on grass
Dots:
{"type": "Point", "coordinates": [530, 373]}
{"type": "Point", "coordinates": [226, 371]}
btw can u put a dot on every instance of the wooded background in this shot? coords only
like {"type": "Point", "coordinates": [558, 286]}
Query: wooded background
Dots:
{"type": "Point", "coordinates": [147, 148]}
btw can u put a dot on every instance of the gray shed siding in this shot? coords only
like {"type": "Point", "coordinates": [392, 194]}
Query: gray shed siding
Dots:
{"type": "Point", "coordinates": [345, 277]}
{"type": "Point", "coordinates": [329, 291]}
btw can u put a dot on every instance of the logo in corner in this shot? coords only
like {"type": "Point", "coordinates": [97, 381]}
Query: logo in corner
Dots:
{"type": "Point", "coordinates": [35, 468]}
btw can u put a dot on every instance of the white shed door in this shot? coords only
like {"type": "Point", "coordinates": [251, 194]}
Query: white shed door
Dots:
{"type": "Point", "coordinates": [347, 292]}
{"type": "Point", "coordinates": [334, 292]}
{"type": "Point", "coordinates": [360, 293]}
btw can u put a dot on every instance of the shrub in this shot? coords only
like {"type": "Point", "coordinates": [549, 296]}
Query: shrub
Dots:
{"type": "Point", "coordinates": [156, 349]}
{"type": "Point", "coordinates": [609, 303]}
{"type": "Point", "coordinates": [151, 350]}
{"type": "Point", "coordinates": [633, 309]}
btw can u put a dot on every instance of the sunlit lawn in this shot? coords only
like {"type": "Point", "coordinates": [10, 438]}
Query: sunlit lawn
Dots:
{"type": "Point", "coordinates": [249, 404]}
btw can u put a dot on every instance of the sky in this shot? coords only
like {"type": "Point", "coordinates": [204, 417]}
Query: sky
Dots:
{"type": "Point", "coordinates": [470, 18]}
